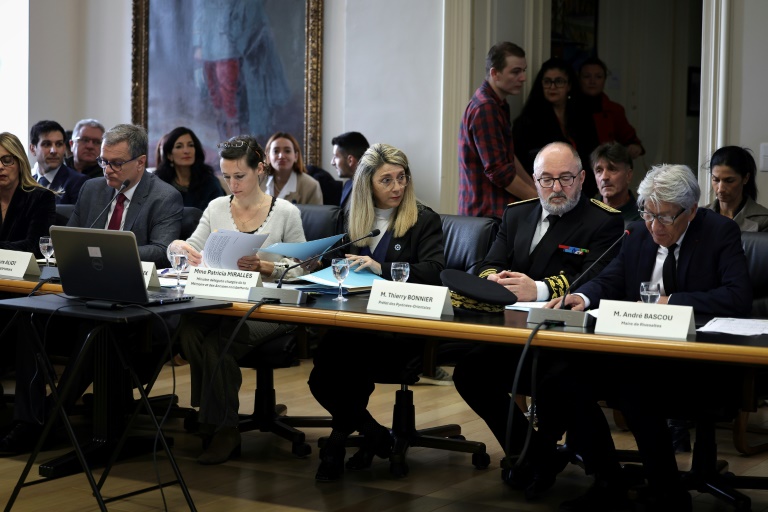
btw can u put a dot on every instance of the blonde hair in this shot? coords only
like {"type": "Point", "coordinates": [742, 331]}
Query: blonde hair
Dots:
{"type": "Point", "coordinates": [12, 145]}
{"type": "Point", "coordinates": [361, 214]}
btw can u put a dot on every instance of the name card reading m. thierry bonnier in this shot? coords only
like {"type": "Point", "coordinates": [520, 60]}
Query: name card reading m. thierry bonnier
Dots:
{"type": "Point", "coordinates": [222, 284]}
{"type": "Point", "coordinates": [640, 320]}
{"type": "Point", "coordinates": [16, 264]}
{"type": "Point", "coordinates": [409, 299]}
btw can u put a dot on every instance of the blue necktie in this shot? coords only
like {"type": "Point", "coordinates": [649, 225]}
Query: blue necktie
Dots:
{"type": "Point", "coordinates": [44, 181]}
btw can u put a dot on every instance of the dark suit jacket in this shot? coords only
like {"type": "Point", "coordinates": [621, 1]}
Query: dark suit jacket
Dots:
{"type": "Point", "coordinates": [711, 268]}
{"type": "Point", "coordinates": [154, 214]}
{"type": "Point", "coordinates": [67, 183]}
{"type": "Point", "coordinates": [421, 247]}
{"type": "Point", "coordinates": [30, 215]}
{"type": "Point", "coordinates": [591, 225]}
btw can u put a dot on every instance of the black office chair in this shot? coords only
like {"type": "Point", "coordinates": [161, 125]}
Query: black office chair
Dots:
{"type": "Point", "coordinates": [268, 415]}
{"type": "Point", "coordinates": [63, 213]}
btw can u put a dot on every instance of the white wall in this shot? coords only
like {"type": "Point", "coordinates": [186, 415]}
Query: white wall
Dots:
{"type": "Point", "coordinates": [14, 80]}
{"type": "Point", "coordinates": [748, 102]}
{"type": "Point", "coordinates": [382, 76]}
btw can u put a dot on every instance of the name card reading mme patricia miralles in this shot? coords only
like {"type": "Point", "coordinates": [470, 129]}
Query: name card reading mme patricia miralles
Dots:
{"type": "Point", "coordinates": [640, 320]}
{"type": "Point", "coordinates": [215, 283]}
{"type": "Point", "coordinates": [17, 264]}
{"type": "Point", "coordinates": [409, 299]}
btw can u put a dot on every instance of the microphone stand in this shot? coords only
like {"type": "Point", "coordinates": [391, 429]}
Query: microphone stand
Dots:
{"type": "Point", "coordinates": [123, 186]}
{"type": "Point", "coordinates": [566, 317]}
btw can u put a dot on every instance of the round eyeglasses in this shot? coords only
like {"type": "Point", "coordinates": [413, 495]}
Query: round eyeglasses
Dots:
{"type": "Point", "coordinates": [117, 165]}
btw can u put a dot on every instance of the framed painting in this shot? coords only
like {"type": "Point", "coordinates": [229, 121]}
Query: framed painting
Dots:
{"type": "Point", "coordinates": [574, 30]}
{"type": "Point", "coordinates": [226, 67]}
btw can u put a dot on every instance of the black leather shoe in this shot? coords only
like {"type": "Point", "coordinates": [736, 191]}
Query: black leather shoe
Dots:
{"type": "Point", "coordinates": [21, 439]}
{"type": "Point", "coordinates": [379, 444]}
{"type": "Point", "coordinates": [601, 497]}
{"type": "Point", "coordinates": [518, 477]}
{"type": "Point", "coordinates": [331, 464]}
{"type": "Point", "coordinates": [545, 471]}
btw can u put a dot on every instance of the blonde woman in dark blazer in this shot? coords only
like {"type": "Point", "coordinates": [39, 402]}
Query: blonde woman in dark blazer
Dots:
{"type": "Point", "coordinates": [345, 371]}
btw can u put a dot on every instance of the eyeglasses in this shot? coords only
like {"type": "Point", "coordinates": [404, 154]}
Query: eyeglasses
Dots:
{"type": "Point", "coordinates": [565, 180]}
{"type": "Point", "coordinates": [7, 160]}
{"type": "Point", "coordinates": [88, 140]}
{"type": "Point", "coordinates": [401, 180]}
{"type": "Point", "coordinates": [239, 144]}
{"type": "Point", "coordinates": [666, 220]}
{"type": "Point", "coordinates": [116, 166]}
{"type": "Point", "coordinates": [557, 82]}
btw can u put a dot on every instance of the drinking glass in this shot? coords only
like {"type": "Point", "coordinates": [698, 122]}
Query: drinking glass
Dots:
{"type": "Point", "coordinates": [46, 247]}
{"type": "Point", "coordinates": [340, 268]}
{"type": "Point", "coordinates": [650, 292]}
{"type": "Point", "coordinates": [400, 271]}
{"type": "Point", "coordinates": [179, 262]}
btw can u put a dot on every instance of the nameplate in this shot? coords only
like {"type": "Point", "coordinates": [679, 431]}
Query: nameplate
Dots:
{"type": "Point", "coordinates": [409, 299]}
{"type": "Point", "coordinates": [214, 283]}
{"type": "Point", "coordinates": [150, 274]}
{"type": "Point", "coordinates": [640, 320]}
{"type": "Point", "coordinates": [17, 264]}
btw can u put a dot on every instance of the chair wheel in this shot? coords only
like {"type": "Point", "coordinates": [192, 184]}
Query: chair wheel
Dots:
{"type": "Point", "coordinates": [481, 460]}
{"type": "Point", "coordinates": [398, 469]}
{"type": "Point", "coordinates": [458, 437]}
{"type": "Point", "coordinates": [301, 449]}
{"type": "Point", "coordinates": [191, 423]}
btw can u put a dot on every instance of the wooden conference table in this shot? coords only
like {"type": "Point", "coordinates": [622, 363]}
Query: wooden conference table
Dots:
{"type": "Point", "coordinates": [510, 327]}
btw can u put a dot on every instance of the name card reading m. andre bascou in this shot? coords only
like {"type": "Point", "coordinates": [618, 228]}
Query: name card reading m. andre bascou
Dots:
{"type": "Point", "coordinates": [636, 319]}
{"type": "Point", "coordinates": [217, 283]}
{"type": "Point", "coordinates": [409, 299]}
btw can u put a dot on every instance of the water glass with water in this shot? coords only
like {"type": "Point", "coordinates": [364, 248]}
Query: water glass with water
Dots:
{"type": "Point", "coordinates": [650, 292]}
{"type": "Point", "coordinates": [46, 247]}
{"type": "Point", "coordinates": [400, 271]}
{"type": "Point", "coordinates": [179, 262]}
{"type": "Point", "coordinates": [340, 267]}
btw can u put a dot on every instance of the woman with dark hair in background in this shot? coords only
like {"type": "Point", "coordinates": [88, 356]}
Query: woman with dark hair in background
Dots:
{"type": "Point", "coordinates": [551, 115]}
{"type": "Point", "coordinates": [732, 171]}
{"type": "Point", "coordinates": [27, 209]}
{"type": "Point", "coordinates": [609, 117]}
{"type": "Point", "coordinates": [288, 178]}
{"type": "Point", "coordinates": [346, 370]}
{"type": "Point", "coordinates": [181, 163]}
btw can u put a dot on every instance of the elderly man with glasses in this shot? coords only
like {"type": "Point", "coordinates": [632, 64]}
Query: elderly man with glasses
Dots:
{"type": "Point", "coordinates": [697, 258]}
{"type": "Point", "coordinates": [543, 245]}
{"type": "Point", "coordinates": [85, 145]}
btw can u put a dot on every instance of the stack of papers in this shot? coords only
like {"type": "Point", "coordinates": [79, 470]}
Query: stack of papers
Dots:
{"type": "Point", "coordinates": [355, 281]}
{"type": "Point", "coordinates": [738, 326]}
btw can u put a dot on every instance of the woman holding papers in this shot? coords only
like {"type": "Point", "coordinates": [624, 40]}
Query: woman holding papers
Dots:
{"type": "Point", "coordinates": [215, 383]}
{"type": "Point", "coordinates": [346, 369]}
{"type": "Point", "coordinates": [27, 210]}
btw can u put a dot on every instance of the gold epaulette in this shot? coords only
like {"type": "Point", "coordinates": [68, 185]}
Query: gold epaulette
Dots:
{"type": "Point", "coordinates": [523, 201]}
{"type": "Point", "coordinates": [558, 284]}
{"type": "Point", "coordinates": [464, 302]}
{"type": "Point", "coordinates": [487, 272]}
{"type": "Point", "coordinates": [604, 206]}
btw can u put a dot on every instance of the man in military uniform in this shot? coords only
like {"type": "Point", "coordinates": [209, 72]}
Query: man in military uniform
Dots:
{"type": "Point", "coordinates": [543, 245]}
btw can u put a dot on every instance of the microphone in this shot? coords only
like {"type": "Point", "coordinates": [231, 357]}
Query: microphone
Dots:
{"type": "Point", "coordinates": [626, 232]}
{"type": "Point", "coordinates": [289, 296]}
{"type": "Point", "coordinates": [125, 185]}
{"type": "Point", "coordinates": [566, 317]}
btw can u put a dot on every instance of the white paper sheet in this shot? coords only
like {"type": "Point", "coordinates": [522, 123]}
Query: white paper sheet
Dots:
{"type": "Point", "coordinates": [738, 326]}
{"type": "Point", "coordinates": [223, 248]}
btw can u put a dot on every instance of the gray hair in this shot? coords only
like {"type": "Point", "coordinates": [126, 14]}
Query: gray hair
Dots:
{"type": "Point", "coordinates": [93, 123]}
{"type": "Point", "coordinates": [669, 183]}
{"type": "Point", "coordinates": [135, 136]}
{"type": "Point", "coordinates": [537, 163]}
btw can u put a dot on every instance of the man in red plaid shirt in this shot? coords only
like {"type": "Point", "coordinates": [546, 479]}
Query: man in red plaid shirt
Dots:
{"type": "Point", "coordinates": [490, 176]}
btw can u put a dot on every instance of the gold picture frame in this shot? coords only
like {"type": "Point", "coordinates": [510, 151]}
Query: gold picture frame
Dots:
{"type": "Point", "coordinates": [313, 63]}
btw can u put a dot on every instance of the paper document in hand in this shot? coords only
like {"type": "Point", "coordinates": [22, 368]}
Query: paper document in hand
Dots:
{"type": "Point", "coordinates": [303, 250]}
{"type": "Point", "coordinates": [223, 248]}
{"type": "Point", "coordinates": [355, 280]}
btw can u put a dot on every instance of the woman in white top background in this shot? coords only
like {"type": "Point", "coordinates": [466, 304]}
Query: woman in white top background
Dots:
{"type": "Point", "coordinates": [248, 210]}
{"type": "Point", "coordinates": [288, 178]}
